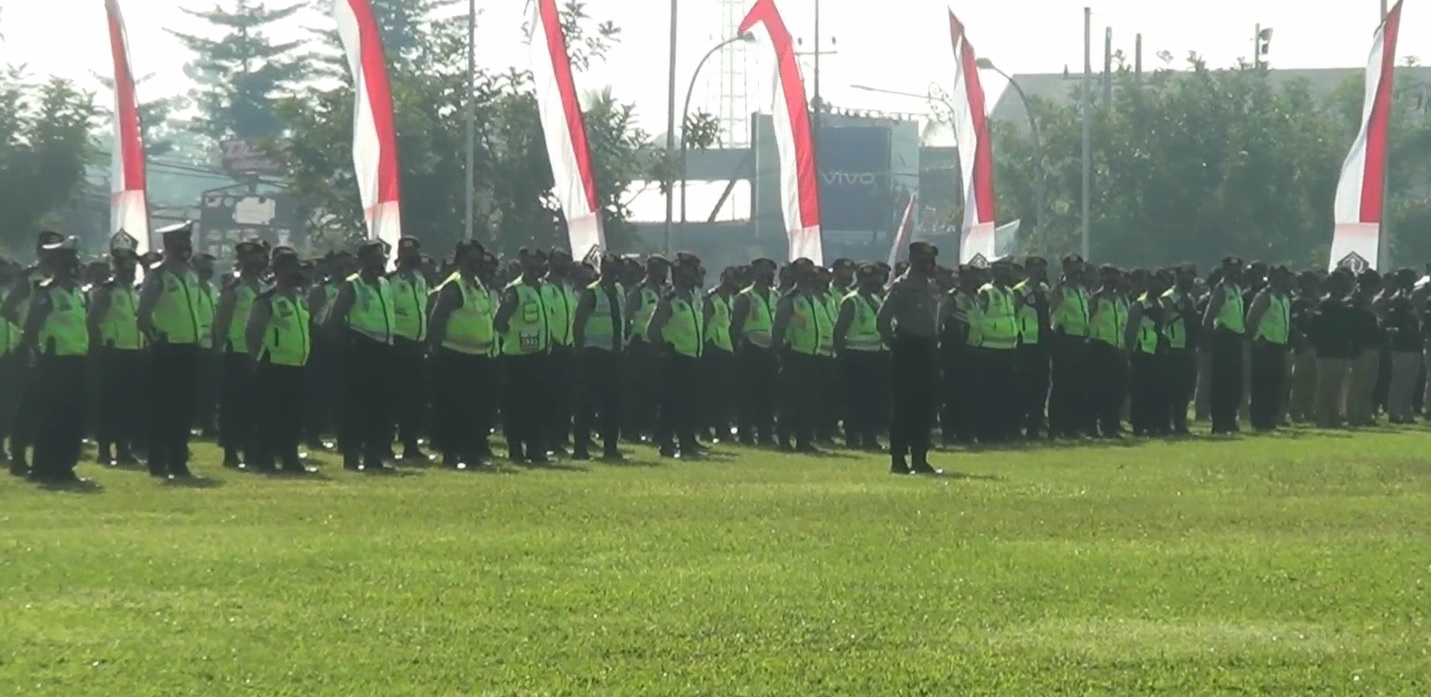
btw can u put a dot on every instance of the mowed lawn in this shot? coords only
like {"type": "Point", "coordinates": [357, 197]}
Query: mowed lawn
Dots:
{"type": "Point", "coordinates": [1296, 564]}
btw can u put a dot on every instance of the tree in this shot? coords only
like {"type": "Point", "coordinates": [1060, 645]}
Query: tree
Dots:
{"type": "Point", "coordinates": [1189, 165]}
{"type": "Point", "coordinates": [242, 73]}
{"type": "Point", "coordinates": [154, 116]}
{"type": "Point", "coordinates": [513, 178]}
{"type": "Point", "coordinates": [44, 144]}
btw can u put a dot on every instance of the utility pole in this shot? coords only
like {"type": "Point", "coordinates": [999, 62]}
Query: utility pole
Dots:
{"type": "Point", "coordinates": [470, 211]}
{"type": "Point", "coordinates": [1138, 56]}
{"type": "Point", "coordinates": [1108, 67]}
{"type": "Point", "coordinates": [671, 127]}
{"type": "Point", "coordinates": [1086, 107]}
{"type": "Point", "coordinates": [819, 103]}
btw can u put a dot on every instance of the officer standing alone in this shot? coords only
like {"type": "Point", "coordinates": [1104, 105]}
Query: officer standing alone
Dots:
{"type": "Point", "coordinates": [908, 324]}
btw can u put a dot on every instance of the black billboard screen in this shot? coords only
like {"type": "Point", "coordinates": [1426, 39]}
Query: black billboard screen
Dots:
{"type": "Point", "coordinates": [855, 183]}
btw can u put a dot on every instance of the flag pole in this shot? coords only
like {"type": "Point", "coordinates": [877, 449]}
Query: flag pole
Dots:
{"type": "Point", "coordinates": [1383, 246]}
{"type": "Point", "coordinates": [470, 202]}
{"type": "Point", "coordinates": [671, 127]}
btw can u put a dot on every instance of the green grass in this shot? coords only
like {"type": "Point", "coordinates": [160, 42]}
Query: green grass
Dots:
{"type": "Point", "coordinates": [1296, 564]}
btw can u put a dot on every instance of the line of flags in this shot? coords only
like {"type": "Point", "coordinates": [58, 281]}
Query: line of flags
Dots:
{"type": "Point", "coordinates": [1358, 207]}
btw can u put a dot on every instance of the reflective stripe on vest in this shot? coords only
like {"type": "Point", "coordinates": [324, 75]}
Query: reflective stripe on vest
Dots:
{"type": "Point", "coordinates": [409, 306]}
{"type": "Point", "coordinates": [863, 334]}
{"type": "Point", "coordinates": [1001, 329]}
{"type": "Point", "coordinates": [527, 332]}
{"type": "Point", "coordinates": [372, 313]}
{"type": "Point", "coordinates": [601, 323]}
{"type": "Point", "coordinates": [685, 330]}
{"type": "Point", "coordinates": [64, 332]}
{"type": "Point", "coordinates": [287, 341]}
{"type": "Point", "coordinates": [119, 328]}
{"type": "Point", "coordinates": [469, 327]}
{"type": "Point", "coordinates": [1072, 314]}
{"type": "Point", "coordinates": [177, 314]}
{"type": "Point", "coordinates": [759, 321]}
{"type": "Point", "coordinates": [812, 330]}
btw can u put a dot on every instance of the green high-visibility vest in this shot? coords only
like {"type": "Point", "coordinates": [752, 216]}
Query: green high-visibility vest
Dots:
{"type": "Point", "coordinates": [1176, 327]}
{"type": "Point", "coordinates": [1028, 314]}
{"type": "Point", "coordinates": [469, 327]}
{"type": "Point", "coordinates": [119, 327]}
{"type": "Point", "coordinates": [373, 313]}
{"type": "Point", "coordinates": [244, 295]}
{"type": "Point", "coordinates": [561, 310]}
{"type": "Point", "coordinates": [9, 333]}
{"type": "Point", "coordinates": [206, 312]}
{"type": "Point", "coordinates": [640, 316]}
{"type": "Point", "coordinates": [759, 321]}
{"type": "Point", "coordinates": [1109, 322]}
{"type": "Point", "coordinates": [64, 332]}
{"type": "Point", "coordinates": [1231, 316]}
{"type": "Point", "coordinates": [1001, 329]}
{"type": "Point", "coordinates": [527, 331]}
{"type": "Point", "coordinates": [863, 334]}
{"type": "Point", "coordinates": [409, 305]}
{"type": "Point", "coordinates": [286, 340]}
{"type": "Point", "coordinates": [330, 291]}
{"type": "Point", "coordinates": [685, 330]}
{"type": "Point", "coordinates": [1276, 324]}
{"type": "Point", "coordinates": [1072, 314]}
{"type": "Point", "coordinates": [718, 333]}
{"type": "Point", "coordinates": [1147, 328]}
{"type": "Point", "coordinates": [966, 308]}
{"type": "Point", "coordinates": [812, 329]}
{"type": "Point", "coordinates": [601, 324]}
{"type": "Point", "coordinates": [178, 314]}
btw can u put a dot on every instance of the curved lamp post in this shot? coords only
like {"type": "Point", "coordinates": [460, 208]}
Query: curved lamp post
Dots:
{"type": "Point", "coordinates": [986, 64]}
{"type": "Point", "coordinates": [685, 114]}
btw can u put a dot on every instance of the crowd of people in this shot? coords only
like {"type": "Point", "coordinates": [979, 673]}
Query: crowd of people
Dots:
{"type": "Point", "coordinates": [360, 352]}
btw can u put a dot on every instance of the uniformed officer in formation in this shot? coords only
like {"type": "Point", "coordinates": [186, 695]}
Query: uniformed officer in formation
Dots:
{"type": "Point", "coordinates": [464, 346]}
{"type": "Point", "coordinates": [361, 323]}
{"type": "Point", "coordinates": [409, 352]}
{"type": "Point", "coordinates": [599, 328]}
{"type": "Point", "coordinates": [278, 341]}
{"type": "Point", "coordinates": [56, 334]}
{"type": "Point", "coordinates": [239, 290]}
{"type": "Point", "coordinates": [522, 322]}
{"type": "Point", "coordinates": [171, 318]}
{"type": "Point", "coordinates": [114, 332]}
{"type": "Point", "coordinates": [677, 332]}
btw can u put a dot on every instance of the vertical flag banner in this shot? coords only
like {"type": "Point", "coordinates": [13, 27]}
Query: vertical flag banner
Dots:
{"type": "Point", "coordinates": [1356, 236]}
{"type": "Point", "coordinates": [799, 187]}
{"type": "Point", "coordinates": [375, 155]}
{"type": "Point", "coordinates": [899, 248]}
{"type": "Point", "coordinates": [564, 129]}
{"type": "Point", "coordinates": [1006, 240]}
{"type": "Point", "coordinates": [976, 150]}
{"type": "Point", "coordinates": [128, 204]}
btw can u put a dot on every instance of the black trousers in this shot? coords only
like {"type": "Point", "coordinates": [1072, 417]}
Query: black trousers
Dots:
{"type": "Point", "coordinates": [718, 376]}
{"type": "Point", "coordinates": [679, 412]}
{"type": "Point", "coordinates": [236, 406]}
{"type": "Point", "coordinates": [1225, 396]}
{"type": "Point", "coordinates": [1269, 373]}
{"type": "Point", "coordinates": [643, 375]}
{"type": "Point", "coordinates": [916, 394]}
{"type": "Point", "coordinates": [321, 379]}
{"type": "Point", "coordinates": [599, 406]}
{"type": "Point", "coordinates": [367, 422]}
{"type": "Point", "coordinates": [1110, 380]}
{"type": "Point", "coordinates": [464, 401]}
{"type": "Point", "coordinates": [1068, 401]}
{"type": "Point", "coordinates": [996, 387]}
{"type": "Point", "coordinates": [862, 381]}
{"type": "Point", "coordinates": [800, 388]}
{"type": "Point", "coordinates": [957, 402]}
{"type": "Point", "coordinates": [409, 390]}
{"type": "Point", "coordinates": [62, 402]}
{"type": "Point", "coordinates": [831, 392]}
{"type": "Point", "coordinates": [1181, 371]}
{"type": "Point", "coordinates": [208, 389]}
{"type": "Point", "coordinates": [10, 373]}
{"type": "Point", "coordinates": [121, 404]}
{"type": "Point", "coordinates": [759, 372]}
{"type": "Point", "coordinates": [175, 381]}
{"type": "Point", "coordinates": [561, 390]}
{"type": "Point", "coordinates": [1149, 386]}
{"type": "Point", "coordinates": [278, 416]}
{"type": "Point", "coordinates": [525, 398]}
{"type": "Point", "coordinates": [27, 409]}
{"type": "Point", "coordinates": [1033, 378]}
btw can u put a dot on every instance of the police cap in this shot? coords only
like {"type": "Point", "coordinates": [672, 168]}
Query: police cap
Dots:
{"type": "Point", "coordinates": [1035, 261]}
{"type": "Point", "coordinates": [285, 258]}
{"type": "Point", "coordinates": [48, 237]}
{"type": "Point", "coordinates": [923, 248]}
{"type": "Point", "coordinates": [123, 244]}
{"type": "Point", "coordinates": [179, 232]}
{"type": "Point", "coordinates": [532, 253]}
{"type": "Point", "coordinates": [408, 243]}
{"type": "Point", "coordinates": [559, 254]}
{"type": "Point", "coordinates": [250, 246]}
{"type": "Point", "coordinates": [656, 261]}
{"type": "Point", "coordinates": [764, 264]}
{"type": "Point", "coordinates": [688, 260]}
{"type": "Point", "coordinates": [867, 270]}
{"type": "Point", "coordinates": [842, 264]}
{"type": "Point", "coordinates": [1232, 260]}
{"type": "Point", "coordinates": [372, 247]}
{"type": "Point", "coordinates": [66, 246]}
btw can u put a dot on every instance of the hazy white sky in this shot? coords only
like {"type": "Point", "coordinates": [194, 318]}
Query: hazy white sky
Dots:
{"type": "Point", "coordinates": [902, 45]}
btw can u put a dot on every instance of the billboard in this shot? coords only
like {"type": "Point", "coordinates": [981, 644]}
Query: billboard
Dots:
{"type": "Point", "coordinates": [855, 179]}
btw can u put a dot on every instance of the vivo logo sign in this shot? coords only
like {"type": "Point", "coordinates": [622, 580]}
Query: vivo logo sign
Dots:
{"type": "Point", "coordinates": [849, 178]}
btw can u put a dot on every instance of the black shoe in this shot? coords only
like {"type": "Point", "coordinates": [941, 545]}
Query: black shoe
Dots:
{"type": "Point", "coordinates": [898, 466]}
{"type": "Point", "coordinates": [232, 460]}
{"type": "Point", "coordinates": [580, 454]}
{"type": "Point", "coordinates": [515, 455]}
{"type": "Point", "coordinates": [352, 464]}
{"type": "Point", "coordinates": [413, 454]}
{"type": "Point", "coordinates": [925, 468]}
{"type": "Point", "coordinates": [18, 468]}
{"type": "Point", "coordinates": [612, 455]}
{"type": "Point", "coordinates": [180, 472]}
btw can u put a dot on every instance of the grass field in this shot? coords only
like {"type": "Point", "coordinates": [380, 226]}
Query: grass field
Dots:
{"type": "Point", "coordinates": [1296, 564]}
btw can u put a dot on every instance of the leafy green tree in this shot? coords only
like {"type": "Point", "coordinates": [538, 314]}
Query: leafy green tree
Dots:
{"type": "Point", "coordinates": [240, 74]}
{"type": "Point", "coordinates": [44, 145]}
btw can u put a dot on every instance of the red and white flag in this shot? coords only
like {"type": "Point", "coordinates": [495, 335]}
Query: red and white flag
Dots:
{"type": "Point", "coordinates": [976, 151]}
{"type": "Point", "coordinates": [375, 154]}
{"type": "Point", "coordinates": [128, 202]}
{"type": "Point", "coordinates": [899, 248]}
{"type": "Point", "coordinates": [564, 129]}
{"type": "Point", "coordinates": [1356, 235]}
{"type": "Point", "coordinates": [799, 189]}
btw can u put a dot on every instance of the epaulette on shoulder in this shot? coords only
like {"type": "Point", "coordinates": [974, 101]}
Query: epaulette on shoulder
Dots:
{"type": "Point", "coordinates": [46, 284]}
{"type": "Point", "coordinates": [267, 294]}
{"type": "Point", "coordinates": [157, 266]}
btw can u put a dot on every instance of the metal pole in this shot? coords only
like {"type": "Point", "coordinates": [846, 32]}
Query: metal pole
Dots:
{"type": "Point", "coordinates": [1138, 56]}
{"type": "Point", "coordinates": [1037, 145]}
{"type": "Point", "coordinates": [671, 126]}
{"type": "Point", "coordinates": [819, 103]}
{"type": "Point", "coordinates": [1108, 67]}
{"type": "Point", "coordinates": [1086, 107]}
{"type": "Point", "coordinates": [1383, 246]}
{"type": "Point", "coordinates": [1257, 46]}
{"type": "Point", "coordinates": [470, 198]}
{"type": "Point", "coordinates": [685, 114]}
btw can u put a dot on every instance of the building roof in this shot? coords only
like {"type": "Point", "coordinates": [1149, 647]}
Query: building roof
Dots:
{"type": "Point", "coordinates": [1058, 88]}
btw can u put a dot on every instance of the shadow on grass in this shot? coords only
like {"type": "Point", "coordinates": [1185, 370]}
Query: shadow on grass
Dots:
{"type": "Point", "coordinates": [83, 486]}
{"type": "Point", "coordinates": [195, 482]}
{"type": "Point", "coordinates": [558, 466]}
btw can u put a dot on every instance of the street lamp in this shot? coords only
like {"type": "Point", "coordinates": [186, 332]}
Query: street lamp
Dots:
{"type": "Point", "coordinates": [685, 114]}
{"type": "Point", "coordinates": [986, 64]}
